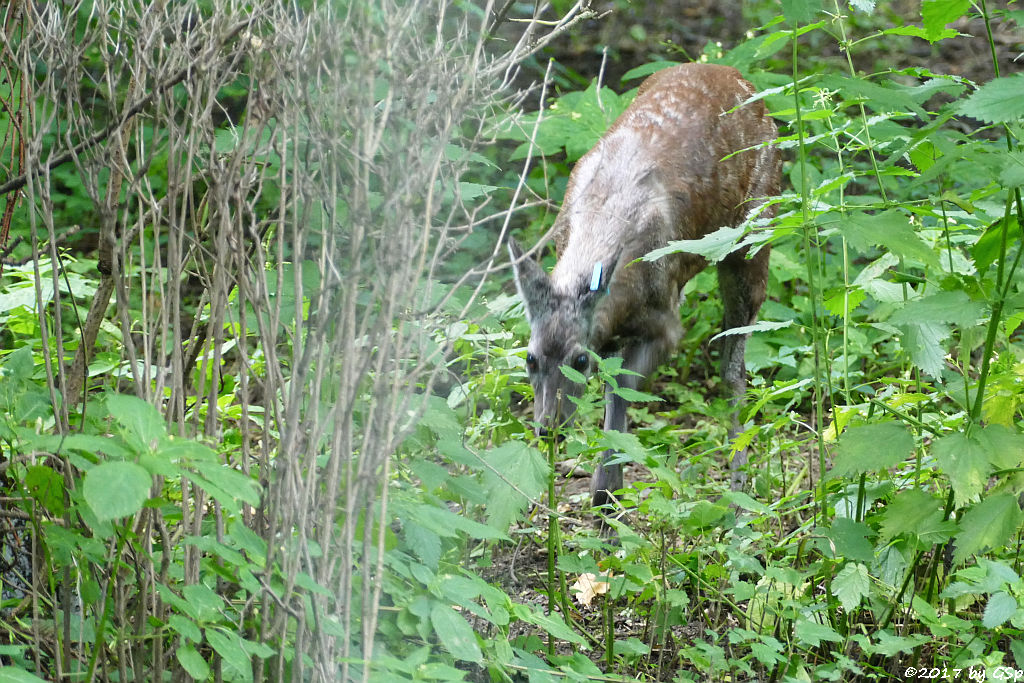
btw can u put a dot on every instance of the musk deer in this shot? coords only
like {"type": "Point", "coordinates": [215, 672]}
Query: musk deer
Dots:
{"type": "Point", "coordinates": [669, 168]}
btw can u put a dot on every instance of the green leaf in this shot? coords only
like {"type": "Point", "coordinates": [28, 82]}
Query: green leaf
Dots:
{"type": "Point", "coordinates": [185, 627]}
{"type": "Point", "coordinates": [910, 512]}
{"type": "Point", "coordinates": [204, 603]}
{"type": "Point", "coordinates": [890, 645]}
{"type": "Point", "coordinates": [871, 448]}
{"type": "Point", "coordinates": [448, 524]}
{"type": "Point", "coordinates": [230, 648]}
{"type": "Point", "coordinates": [851, 585]}
{"type": "Point", "coordinates": [635, 396]}
{"type": "Point", "coordinates": [455, 633]}
{"type": "Point", "coordinates": [986, 250]}
{"type": "Point", "coordinates": [227, 485]}
{"type": "Point", "coordinates": [800, 11]}
{"type": "Point", "coordinates": [193, 662]}
{"type": "Point", "coordinates": [919, 32]}
{"type": "Point", "coordinates": [10, 674]}
{"type": "Point", "coordinates": [966, 461]}
{"type": "Point", "coordinates": [552, 623]}
{"type": "Point", "coordinates": [1013, 169]}
{"type": "Point", "coordinates": [935, 14]}
{"type": "Point", "coordinates": [948, 307]}
{"type": "Point", "coordinates": [890, 230]}
{"type": "Point", "coordinates": [999, 609]}
{"type": "Point", "coordinates": [925, 343]}
{"type": "Point", "coordinates": [879, 96]}
{"type": "Point", "coordinates": [812, 633]}
{"type": "Point", "coordinates": [139, 419]}
{"type": "Point", "coordinates": [573, 375]}
{"type": "Point", "coordinates": [46, 486]}
{"type": "Point", "coordinates": [713, 247]}
{"type": "Point", "coordinates": [1001, 100]}
{"type": "Point", "coordinates": [850, 540]}
{"type": "Point", "coordinates": [989, 524]}
{"type": "Point", "coordinates": [516, 474]}
{"type": "Point", "coordinates": [762, 326]}
{"type": "Point", "coordinates": [116, 489]}
{"type": "Point", "coordinates": [1005, 446]}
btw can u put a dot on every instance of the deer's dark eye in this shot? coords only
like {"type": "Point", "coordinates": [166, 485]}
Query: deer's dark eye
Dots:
{"type": "Point", "coordinates": [581, 362]}
{"type": "Point", "coordinates": [531, 362]}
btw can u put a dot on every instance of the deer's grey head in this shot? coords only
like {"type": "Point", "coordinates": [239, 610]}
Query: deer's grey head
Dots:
{"type": "Point", "coordinates": [561, 332]}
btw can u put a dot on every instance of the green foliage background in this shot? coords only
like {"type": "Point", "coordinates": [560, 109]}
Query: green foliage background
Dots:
{"type": "Point", "coordinates": [210, 529]}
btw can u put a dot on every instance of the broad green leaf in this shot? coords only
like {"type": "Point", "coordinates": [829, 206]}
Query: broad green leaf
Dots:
{"type": "Point", "coordinates": [229, 485]}
{"type": "Point", "coordinates": [623, 442]}
{"type": "Point", "coordinates": [713, 247]}
{"type": "Point", "coordinates": [202, 599]}
{"type": "Point", "coordinates": [986, 250]}
{"type": "Point", "coordinates": [11, 674]}
{"type": "Point", "coordinates": [851, 585]}
{"type": "Point", "coordinates": [800, 11]}
{"type": "Point", "coordinates": [1005, 446]}
{"type": "Point", "coordinates": [635, 396]}
{"type": "Point", "coordinates": [849, 539]}
{"type": "Point", "coordinates": [769, 655]}
{"type": "Point", "coordinates": [573, 375]}
{"type": "Point", "coordinates": [910, 512]}
{"type": "Point", "coordinates": [989, 524]}
{"type": "Point", "coordinates": [1001, 100]}
{"type": "Point", "coordinates": [892, 231]}
{"type": "Point", "coordinates": [925, 343]}
{"type": "Point", "coordinates": [186, 628]}
{"type": "Point", "coordinates": [890, 645]}
{"type": "Point", "coordinates": [424, 543]}
{"type": "Point", "coordinates": [871, 448]}
{"type": "Point", "coordinates": [516, 473]}
{"type": "Point", "coordinates": [948, 307]}
{"type": "Point", "coordinates": [812, 633]}
{"type": "Point", "coordinates": [46, 486]}
{"type": "Point", "coordinates": [935, 14]}
{"type": "Point", "coordinates": [1001, 606]}
{"type": "Point", "coordinates": [116, 489]}
{"type": "Point", "coordinates": [967, 463]}
{"type": "Point", "coordinates": [193, 662]}
{"type": "Point", "coordinates": [139, 419]}
{"type": "Point", "coordinates": [878, 96]}
{"type": "Point", "coordinates": [455, 633]}
{"type": "Point", "coordinates": [552, 623]}
{"type": "Point", "coordinates": [229, 646]}
{"type": "Point", "coordinates": [920, 32]}
{"type": "Point", "coordinates": [1013, 169]}
{"type": "Point", "coordinates": [448, 524]}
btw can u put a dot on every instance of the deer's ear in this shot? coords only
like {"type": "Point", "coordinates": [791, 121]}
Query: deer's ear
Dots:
{"type": "Point", "coordinates": [532, 282]}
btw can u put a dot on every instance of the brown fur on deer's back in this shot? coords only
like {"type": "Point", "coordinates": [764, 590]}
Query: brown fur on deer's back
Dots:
{"type": "Point", "coordinates": [657, 176]}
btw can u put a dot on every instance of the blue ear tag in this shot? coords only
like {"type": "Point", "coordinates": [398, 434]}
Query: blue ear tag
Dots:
{"type": "Point", "coordinates": [595, 279]}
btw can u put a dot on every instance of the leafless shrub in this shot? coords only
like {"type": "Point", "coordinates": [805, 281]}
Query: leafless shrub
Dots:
{"type": "Point", "coordinates": [274, 195]}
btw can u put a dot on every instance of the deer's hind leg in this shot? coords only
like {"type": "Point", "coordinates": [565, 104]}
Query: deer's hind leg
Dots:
{"type": "Point", "coordinates": [742, 283]}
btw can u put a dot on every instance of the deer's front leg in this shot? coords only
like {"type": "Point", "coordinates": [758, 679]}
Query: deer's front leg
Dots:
{"type": "Point", "coordinates": [608, 478]}
{"type": "Point", "coordinates": [641, 358]}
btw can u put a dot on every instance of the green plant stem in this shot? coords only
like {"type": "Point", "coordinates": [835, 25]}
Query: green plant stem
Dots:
{"type": "Point", "coordinates": [812, 282]}
{"type": "Point", "coordinates": [101, 625]}
{"type": "Point", "coordinates": [552, 533]}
